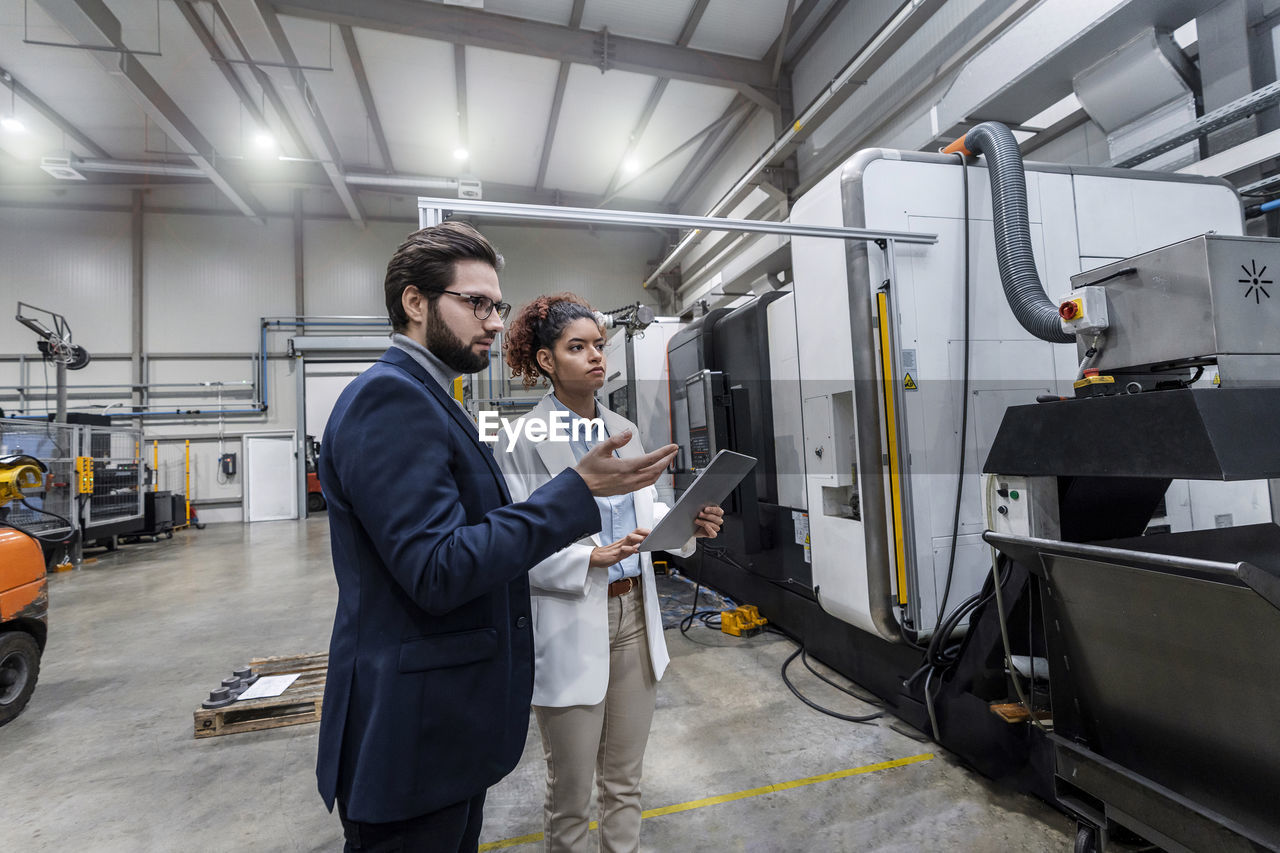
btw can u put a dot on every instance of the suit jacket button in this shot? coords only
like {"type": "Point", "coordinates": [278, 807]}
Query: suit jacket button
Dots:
{"type": "Point", "coordinates": [522, 622]}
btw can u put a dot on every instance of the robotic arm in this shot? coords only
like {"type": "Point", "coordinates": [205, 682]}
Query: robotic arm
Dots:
{"type": "Point", "coordinates": [54, 344]}
{"type": "Point", "coordinates": [18, 473]}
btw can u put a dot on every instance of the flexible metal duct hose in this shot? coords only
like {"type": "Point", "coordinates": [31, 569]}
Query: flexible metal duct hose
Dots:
{"type": "Point", "coordinates": [1022, 287]}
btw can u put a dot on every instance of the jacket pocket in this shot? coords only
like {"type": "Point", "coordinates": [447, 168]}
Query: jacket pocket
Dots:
{"type": "Point", "coordinates": [445, 650]}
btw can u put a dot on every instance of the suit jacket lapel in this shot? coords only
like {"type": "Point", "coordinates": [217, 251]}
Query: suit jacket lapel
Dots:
{"type": "Point", "coordinates": [555, 455]}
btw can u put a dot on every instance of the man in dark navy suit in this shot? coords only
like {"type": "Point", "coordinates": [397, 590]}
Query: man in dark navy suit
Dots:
{"type": "Point", "coordinates": [431, 661]}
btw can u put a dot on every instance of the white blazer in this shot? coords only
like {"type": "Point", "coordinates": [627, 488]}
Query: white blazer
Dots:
{"type": "Point", "coordinates": [570, 598]}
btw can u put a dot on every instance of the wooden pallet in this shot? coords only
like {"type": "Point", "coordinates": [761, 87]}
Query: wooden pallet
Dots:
{"type": "Point", "coordinates": [1016, 712]}
{"type": "Point", "coordinates": [300, 703]}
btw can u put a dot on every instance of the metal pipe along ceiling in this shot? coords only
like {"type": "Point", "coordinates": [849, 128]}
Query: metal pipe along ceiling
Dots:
{"type": "Point", "coordinates": [129, 167]}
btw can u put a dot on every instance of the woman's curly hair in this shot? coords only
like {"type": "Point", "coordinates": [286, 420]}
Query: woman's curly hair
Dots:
{"type": "Point", "coordinates": [540, 324]}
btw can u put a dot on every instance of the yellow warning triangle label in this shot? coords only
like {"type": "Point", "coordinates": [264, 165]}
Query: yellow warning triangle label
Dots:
{"type": "Point", "coordinates": [909, 383]}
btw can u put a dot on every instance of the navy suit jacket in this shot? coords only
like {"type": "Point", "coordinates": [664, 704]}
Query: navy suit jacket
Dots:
{"type": "Point", "coordinates": [431, 661]}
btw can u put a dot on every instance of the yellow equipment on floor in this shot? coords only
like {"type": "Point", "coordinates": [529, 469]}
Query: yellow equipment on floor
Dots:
{"type": "Point", "coordinates": [745, 621]}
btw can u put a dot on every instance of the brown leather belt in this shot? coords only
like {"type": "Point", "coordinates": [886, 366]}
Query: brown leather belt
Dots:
{"type": "Point", "coordinates": [623, 586]}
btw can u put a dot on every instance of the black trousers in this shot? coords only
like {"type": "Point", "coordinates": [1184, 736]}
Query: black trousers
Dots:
{"type": "Point", "coordinates": [452, 829]}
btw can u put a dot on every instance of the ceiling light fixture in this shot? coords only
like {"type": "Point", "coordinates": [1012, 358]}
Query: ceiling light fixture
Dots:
{"type": "Point", "coordinates": [631, 166]}
{"type": "Point", "coordinates": [264, 141]}
{"type": "Point", "coordinates": [460, 154]}
{"type": "Point", "coordinates": [11, 122]}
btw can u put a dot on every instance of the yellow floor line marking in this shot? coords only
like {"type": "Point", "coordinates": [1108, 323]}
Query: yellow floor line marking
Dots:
{"type": "Point", "coordinates": [739, 795]}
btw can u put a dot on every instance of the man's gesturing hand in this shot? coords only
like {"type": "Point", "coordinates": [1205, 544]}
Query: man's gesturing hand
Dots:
{"type": "Point", "coordinates": [606, 475]}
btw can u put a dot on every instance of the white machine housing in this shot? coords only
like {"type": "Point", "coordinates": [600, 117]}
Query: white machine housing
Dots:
{"type": "Point", "coordinates": [644, 357]}
{"type": "Point", "coordinates": [1081, 218]}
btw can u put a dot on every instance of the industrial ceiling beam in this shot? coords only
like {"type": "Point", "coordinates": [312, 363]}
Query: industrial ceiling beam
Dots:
{"type": "Point", "coordinates": [459, 25]}
{"type": "Point", "coordinates": [366, 96]}
{"type": "Point", "coordinates": [910, 16]}
{"type": "Point", "coordinates": [53, 116]}
{"type": "Point", "coordinates": [575, 21]}
{"type": "Point", "coordinates": [308, 111]}
{"type": "Point", "coordinates": [211, 46]}
{"type": "Point", "coordinates": [263, 81]}
{"type": "Point", "coordinates": [781, 41]}
{"type": "Point", "coordinates": [712, 128]}
{"type": "Point", "coordinates": [90, 22]}
{"type": "Point", "coordinates": [777, 53]}
{"type": "Point", "coordinates": [655, 95]}
{"type": "Point", "coordinates": [290, 174]}
{"type": "Point", "coordinates": [708, 154]}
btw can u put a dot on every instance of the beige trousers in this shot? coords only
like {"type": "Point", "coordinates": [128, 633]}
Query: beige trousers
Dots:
{"type": "Point", "coordinates": [606, 741]}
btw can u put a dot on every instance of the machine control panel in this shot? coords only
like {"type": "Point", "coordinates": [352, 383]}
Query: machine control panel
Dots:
{"type": "Point", "coordinates": [700, 390]}
{"type": "Point", "coordinates": [1084, 311]}
{"type": "Point", "coordinates": [1021, 506]}
{"type": "Point", "coordinates": [84, 475]}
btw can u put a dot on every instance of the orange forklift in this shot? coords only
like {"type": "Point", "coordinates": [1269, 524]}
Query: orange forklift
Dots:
{"type": "Point", "coordinates": [24, 594]}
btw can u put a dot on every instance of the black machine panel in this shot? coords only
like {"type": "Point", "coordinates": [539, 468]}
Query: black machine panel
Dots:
{"type": "Point", "coordinates": [721, 390]}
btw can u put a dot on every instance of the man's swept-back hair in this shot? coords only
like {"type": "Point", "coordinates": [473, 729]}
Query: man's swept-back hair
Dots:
{"type": "Point", "coordinates": [426, 260]}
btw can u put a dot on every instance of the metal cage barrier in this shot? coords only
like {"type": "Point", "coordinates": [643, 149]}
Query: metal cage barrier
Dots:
{"type": "Point", "coordinates": [118, 477]}
{"type": "Point", "coordinates": [55, 445]}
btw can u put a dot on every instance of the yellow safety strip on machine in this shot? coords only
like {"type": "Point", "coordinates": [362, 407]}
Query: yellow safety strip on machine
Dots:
{"type": "Point", "coordinates": [891, 423]}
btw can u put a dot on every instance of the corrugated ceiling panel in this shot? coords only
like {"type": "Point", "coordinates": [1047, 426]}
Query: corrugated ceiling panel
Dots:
{"type": "Point", "coordinates": [210, 277]}
{"type": "Point", "coordinates": [413, 84]}
{"type": "Point", "coordinates": [598, 115]}
{"type": "Point", "coordinates": [850, 30]}
{"type": "Point", "coordinates": [70, 81]}
{"type": "Point", "coordinates": [550, 11]}
{"type": "Point", "coordinates": [685, 109]}
{"type": "Point", "coordinates": [509, 102]}
{"type": "Point", "coordinates": [187, 74]}
{"type": "Point", "coordinates": [653, 186]}
{"type": "Point", "coordinates": [740, 27]}
{"type": "Point", "coordinates": [655, 20]}
{"type": "Point", "coordinates": [336, 92]}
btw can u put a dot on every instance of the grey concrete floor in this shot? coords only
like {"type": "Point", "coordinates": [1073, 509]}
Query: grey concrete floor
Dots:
{"type": "Point", "coordinates": [104, 758]}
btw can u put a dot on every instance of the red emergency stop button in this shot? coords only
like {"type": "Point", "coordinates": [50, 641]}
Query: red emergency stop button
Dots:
{"type": "Point", "coordinates": [1069, 310]}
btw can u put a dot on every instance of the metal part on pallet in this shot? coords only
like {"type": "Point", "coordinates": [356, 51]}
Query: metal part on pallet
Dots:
{"type": "Point", "coordinates": [218, 698]}
{"type": "Point", "coordinates": [246, 675]}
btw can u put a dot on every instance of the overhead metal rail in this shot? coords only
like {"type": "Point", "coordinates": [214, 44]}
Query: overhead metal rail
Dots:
{"type": "Point", "coordinates": [1244, 107]}
{"type": "Point", "coordinates": [431, 211]}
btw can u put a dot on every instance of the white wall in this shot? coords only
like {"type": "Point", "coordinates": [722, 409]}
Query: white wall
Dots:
{"type": "Point", "coordinates": [207, 281]}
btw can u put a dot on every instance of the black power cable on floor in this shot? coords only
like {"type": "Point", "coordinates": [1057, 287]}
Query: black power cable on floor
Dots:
{"type": "Point", "coordinates": [706, 616]}
{"type": "Point", "coordinates": [711, 619]}
{"type": "Point", "coordinates": [800, 652]}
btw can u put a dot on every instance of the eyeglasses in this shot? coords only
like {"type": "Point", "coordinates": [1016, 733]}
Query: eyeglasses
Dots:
{"type": "Point", "coordinates": [482, 306]}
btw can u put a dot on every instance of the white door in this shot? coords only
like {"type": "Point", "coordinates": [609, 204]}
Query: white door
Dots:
{"type": "Point", "coordinates": [271, 477]}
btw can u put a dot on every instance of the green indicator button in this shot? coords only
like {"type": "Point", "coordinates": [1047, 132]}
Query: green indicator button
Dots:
{"type": "Point", "coordinates": [1013, 495]}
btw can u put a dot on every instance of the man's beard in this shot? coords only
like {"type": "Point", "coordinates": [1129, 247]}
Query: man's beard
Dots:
{"type": "Point", "coordinates": [449, 348]}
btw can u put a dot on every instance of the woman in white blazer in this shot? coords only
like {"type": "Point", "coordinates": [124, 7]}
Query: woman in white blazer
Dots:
{"type": "Point", "coordinates": [598, 644]}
